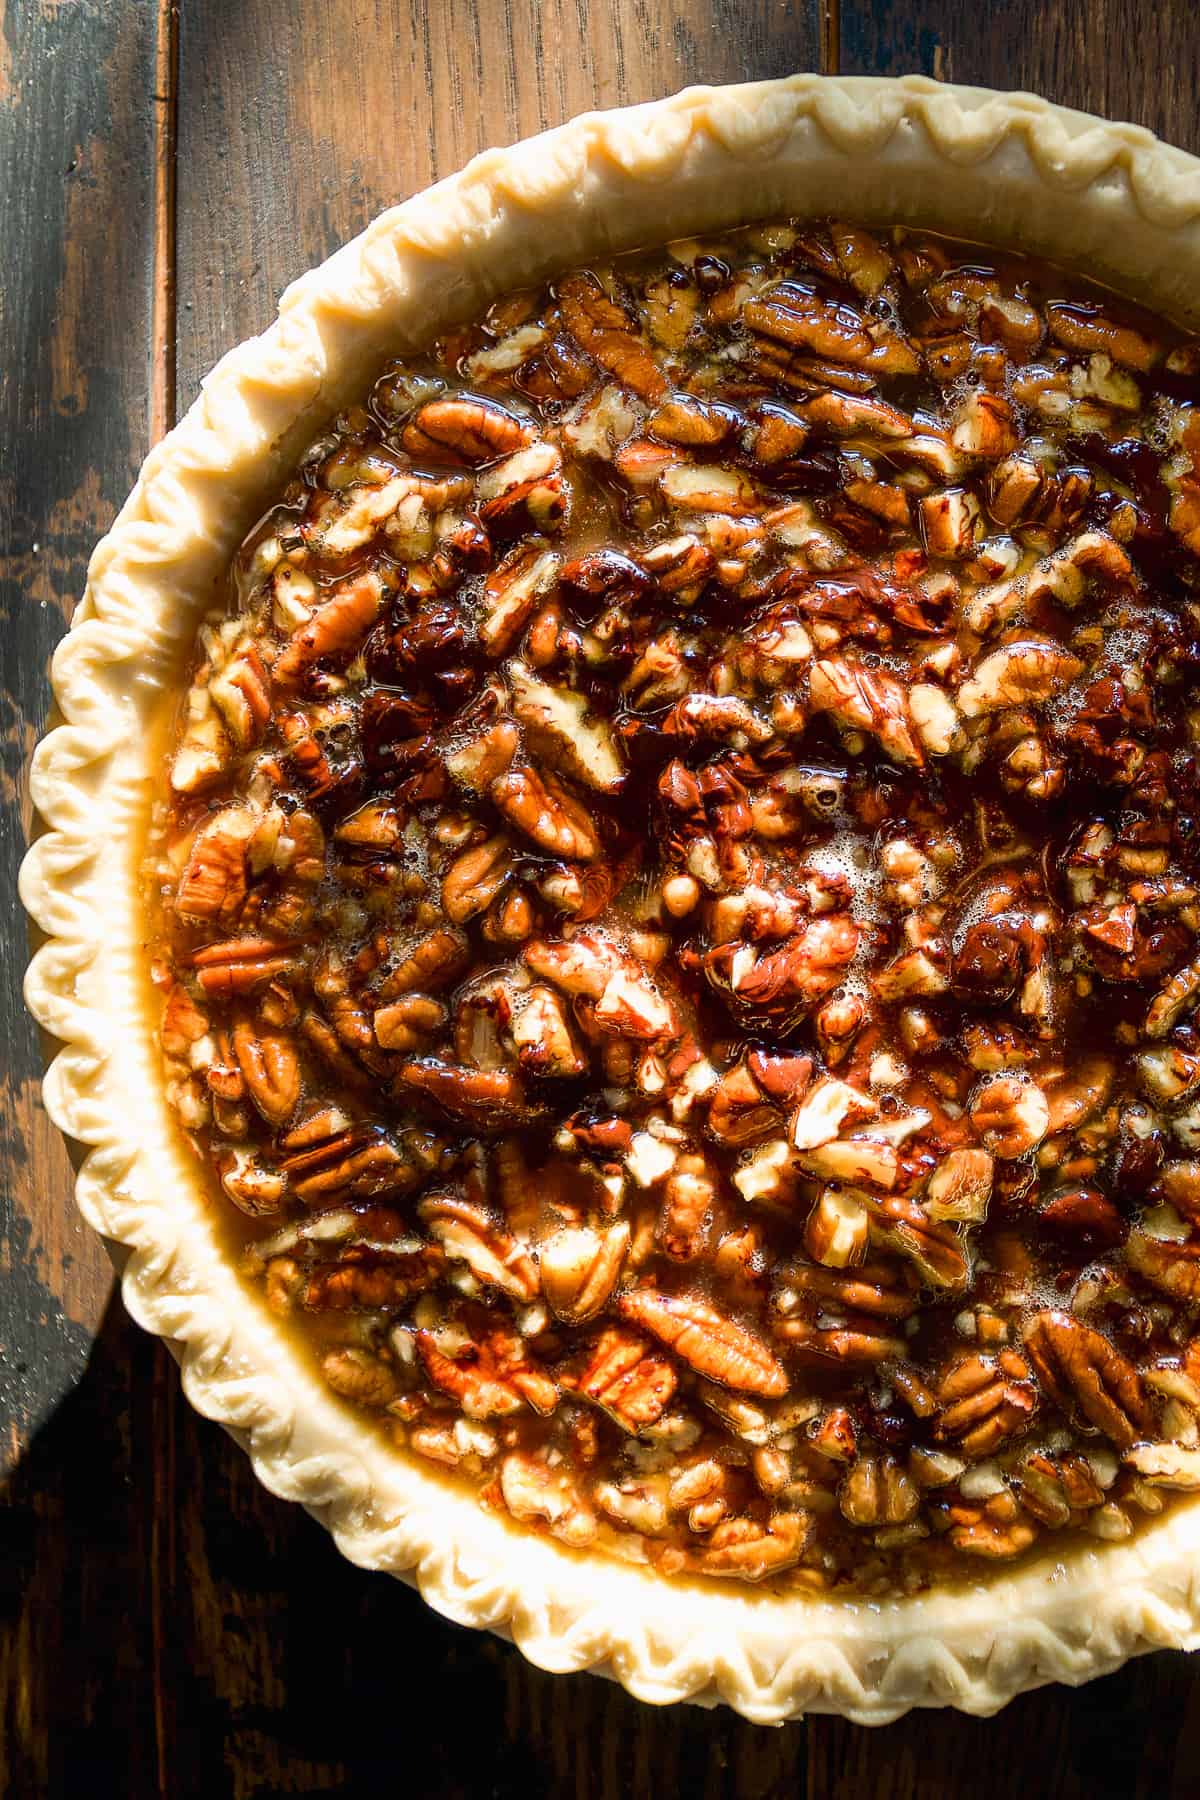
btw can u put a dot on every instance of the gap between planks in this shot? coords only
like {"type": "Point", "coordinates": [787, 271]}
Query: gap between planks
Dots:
{"type": "Point", "coordinates": [831, 37]}
{"type": "Point", "coordinates": [162, 320]}
{"type": "Point", "coordinates": [160, 1480]}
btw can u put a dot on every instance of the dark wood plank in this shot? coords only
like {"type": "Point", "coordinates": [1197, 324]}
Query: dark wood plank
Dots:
{"type": "Point", "coordinates": [72, 426]}
{"type": "Point", "coordinates": [76, 154]}
{"type": "Point", "coordinates": [1122, 58]}
{"type": "Point", "coordinates": [298, 124]}
{"type": "Point", "coordinates": [1128, 1737]}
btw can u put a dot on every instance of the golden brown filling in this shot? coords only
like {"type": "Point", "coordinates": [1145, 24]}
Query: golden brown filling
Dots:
{"type": "Point", "coordinates": [678, 912]}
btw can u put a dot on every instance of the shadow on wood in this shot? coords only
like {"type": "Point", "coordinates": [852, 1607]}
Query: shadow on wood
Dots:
{"type": "Point", "coordinates": [190, 1619]}
{"type": "Point", "coordinates": [189, 1635]}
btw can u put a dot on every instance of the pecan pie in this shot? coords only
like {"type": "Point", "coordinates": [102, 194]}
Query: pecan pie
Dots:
{"type": "Point", "coordinates": [677, 911]}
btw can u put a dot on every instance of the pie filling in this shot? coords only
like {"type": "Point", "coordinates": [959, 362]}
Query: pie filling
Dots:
{"type": "Point", "coordinates": [677, 912]}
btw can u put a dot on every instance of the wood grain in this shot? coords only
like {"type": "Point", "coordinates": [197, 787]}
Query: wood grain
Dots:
{"type": "Point", "coordinates": [1124, 58]}
{"type": "Point", "coordinates": [75, 132]}
{"type": "Point", "coordinates": [166, 1627]}
{"type": "Point", "coordinates": [76, 139]}
{"type": "Point", "coordinates": [297, 124]}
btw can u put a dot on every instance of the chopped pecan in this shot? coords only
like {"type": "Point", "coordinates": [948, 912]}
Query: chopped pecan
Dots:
{"type": "Point", "coordinates": [358, 1375]}
{"type": "Point", "coordinates": [783, 983]}
{"type": "Point", "coordinates": [835, 1435]}
{"type": "Point", "coordinates": [828, 329]}
{"type": "Point", "coordinates": [693, 424]}
{"type": "Point", "coordinates": [205, 749]}
{"type": "Point", "coordinates": [1177, 995]}
{"type": "Point", "coordinates": [1165, 1465]}
{"type": "Point", "coordinates": [689, 1197]}
{"type": "Point", "coordinates": [960, 1187]}
{"type": "Point", "coordinates": [561, 726]}
{"type": "Point", "coordinates": [431, 963]}
{"type": "Point", "coordinates": [985, 426]}
{"type": "Point", "coordinates": [183, 1022]}
{"type": "Point", "coordinates": [870, 700]}
{"type": "Point", "coordinates": [1054, 1488]}
{"type": "Point", "coordinates": [542, 1035]}
{"type": "Point", "coordinates": [1025, 673]}
{"type": "Point", "coordinates": [1010, 1114]}
{"type": "Point", "coordinates": [837, 1231]}
{"type": "Point", "coordinates": [241, 691]}
{"type": "Point", "coordinates": [407, 1023]}
{"type": "Point", "coordinates": [253, 1187]}
{"type": "Point", "coordinates": [533, 1490]}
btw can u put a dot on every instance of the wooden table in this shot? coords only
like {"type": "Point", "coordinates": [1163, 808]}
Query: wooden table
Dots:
{"type": "Point", "coordinates": [166, 1627]}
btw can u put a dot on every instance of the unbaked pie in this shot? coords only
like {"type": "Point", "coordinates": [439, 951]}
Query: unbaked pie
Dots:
{"type": "Point", "coordinates": [677, 910]}
{"type": "Point", "coordinates": [664, 889]}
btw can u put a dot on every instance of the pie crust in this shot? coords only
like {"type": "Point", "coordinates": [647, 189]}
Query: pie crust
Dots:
{"type": "Point", "coordinates": [1011, 168]}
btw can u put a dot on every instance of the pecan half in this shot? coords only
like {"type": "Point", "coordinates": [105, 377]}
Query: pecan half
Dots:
{"type": "Point", "coordinates": [624, 1377]}
{"type": "Point", "coordinates": [213, 883]}
{"type": "Point", "coordinates": [752, 1551]}
{"type": "Point", "coordinates": [472, 429]}
{"type": "Point", "coordinates": [1086, 1375]}
{"type": "Point", "coordinates": [1171, 1267]}
{"type": "Point", "coordinates": [604, 330]}
{"type": "Point", "coordinates": [270, 1069]}
{"type": "Point", "coordinates": [877, 1491]}
{"type": "Point", "coordinates": [538, 804]}
{"type": "Point", "coordinates": [580, 1267]}
{"type": "Point", "coordinates": [240, 965]}
{"type": "Point", "coordinates": [466, 1233]}
{"type": "Point", "coordinates": [490, 1099]}
{"type": "Point", "coordinates": [337, 628]}
{"type": "Point", "coordinates": [985, 1400]}
{"type": "Point", "coordinates": [707, 1340]}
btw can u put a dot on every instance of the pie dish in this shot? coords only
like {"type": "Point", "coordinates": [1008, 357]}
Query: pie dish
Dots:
{"type": "Point", "coordinates": [1107, 198]}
